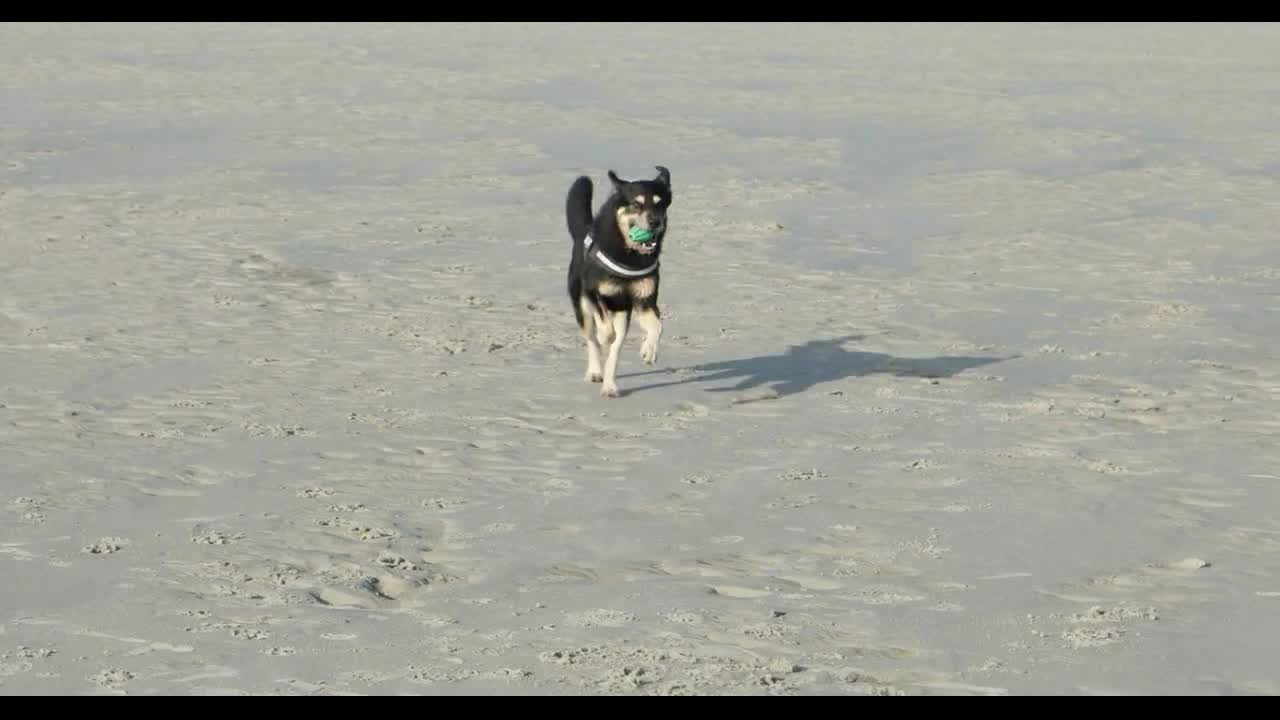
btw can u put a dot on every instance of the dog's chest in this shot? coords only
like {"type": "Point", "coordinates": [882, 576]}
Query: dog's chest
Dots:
{"type": "Point", "coordinates": [638, 289]}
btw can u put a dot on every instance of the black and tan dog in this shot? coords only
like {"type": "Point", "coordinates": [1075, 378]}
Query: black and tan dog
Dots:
{"type": "Point", "coordinates": [614, 271]}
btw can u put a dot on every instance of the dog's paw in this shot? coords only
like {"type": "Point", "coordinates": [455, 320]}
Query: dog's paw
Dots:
{"type": "Point", "coordinates": [649, 353]}
{"type": "Point", "coordinates": [609, 390]}
{"type": "Point", "coordinates": [593, 377]}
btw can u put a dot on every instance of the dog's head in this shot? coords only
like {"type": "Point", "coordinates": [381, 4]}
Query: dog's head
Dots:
{"type": "Point", "coordinates": [643, 204]}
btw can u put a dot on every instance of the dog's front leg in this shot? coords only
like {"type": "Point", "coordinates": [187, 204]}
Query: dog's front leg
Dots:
{"type": "Point", "coordinates": [652, 325]}
{"type": "Point", "coordinates": [594, 373]}
{"type": "Point", "coordinates": [619, 322]}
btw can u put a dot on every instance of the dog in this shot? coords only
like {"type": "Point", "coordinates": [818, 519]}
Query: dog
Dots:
{"type": "Point", "coordinates": [613, 273]}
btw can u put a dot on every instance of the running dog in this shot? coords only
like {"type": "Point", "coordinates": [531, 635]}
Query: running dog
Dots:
{"type": "Point", "coordinates": [613, 273]}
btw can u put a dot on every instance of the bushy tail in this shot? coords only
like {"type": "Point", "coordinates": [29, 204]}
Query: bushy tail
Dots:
{"type": "Point", "coordinates": [578, 208]}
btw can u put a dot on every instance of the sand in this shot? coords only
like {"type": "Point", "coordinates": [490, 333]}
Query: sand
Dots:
{"type": "Point", "coordinates": [968, 383]}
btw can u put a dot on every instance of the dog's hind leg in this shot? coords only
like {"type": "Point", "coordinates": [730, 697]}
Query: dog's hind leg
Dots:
{"type": "Point", "coordinates": [586, 312]}
{"type": "Point", "coordinates": [619, 322]}
{"type": "Point", "coordinates": [652, 325]}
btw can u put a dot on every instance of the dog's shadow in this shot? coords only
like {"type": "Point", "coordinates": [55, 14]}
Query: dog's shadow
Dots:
{"type": "Point", "coordinates": [801, 367]}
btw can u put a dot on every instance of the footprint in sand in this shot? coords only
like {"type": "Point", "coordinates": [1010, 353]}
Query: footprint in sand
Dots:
{"type": "Point", "coordinates": [105, 546]}
{"type": "Point", "coordinates": [600, 618]}
{"type": "Point", "coordinates": [112, 677]}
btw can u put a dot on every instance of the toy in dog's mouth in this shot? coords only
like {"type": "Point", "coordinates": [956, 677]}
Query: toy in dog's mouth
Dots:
{"type": "Point", "coordinates": [643, 237]}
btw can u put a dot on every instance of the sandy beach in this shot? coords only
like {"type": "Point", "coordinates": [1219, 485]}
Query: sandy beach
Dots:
{"type": "Point", "coordinates": [969, 382]}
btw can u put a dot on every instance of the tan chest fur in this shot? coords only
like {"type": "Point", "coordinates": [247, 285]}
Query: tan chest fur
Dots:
{"type": "Point", "coordinates": [639, 289]}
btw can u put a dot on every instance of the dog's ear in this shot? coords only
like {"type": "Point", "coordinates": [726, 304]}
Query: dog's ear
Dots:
{"type": "Point", "coordinates": [664, 175]}
{"type": "Point", "coordinates": [617, 182]}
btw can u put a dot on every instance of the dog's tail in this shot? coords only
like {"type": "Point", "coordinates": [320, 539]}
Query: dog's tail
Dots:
{"type": "Point", "coordinates": [578, 208]}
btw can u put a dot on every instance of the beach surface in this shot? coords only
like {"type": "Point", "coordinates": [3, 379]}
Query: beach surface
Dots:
{"type": "Point", "coordinates": [968, 383]}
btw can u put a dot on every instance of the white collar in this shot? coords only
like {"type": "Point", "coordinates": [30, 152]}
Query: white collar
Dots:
{"type": "Point", "coordinates": [614, 267]}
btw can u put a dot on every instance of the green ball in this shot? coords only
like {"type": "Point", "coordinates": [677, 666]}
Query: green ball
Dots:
{"type": "Point", "coordinates": [639, 235]}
